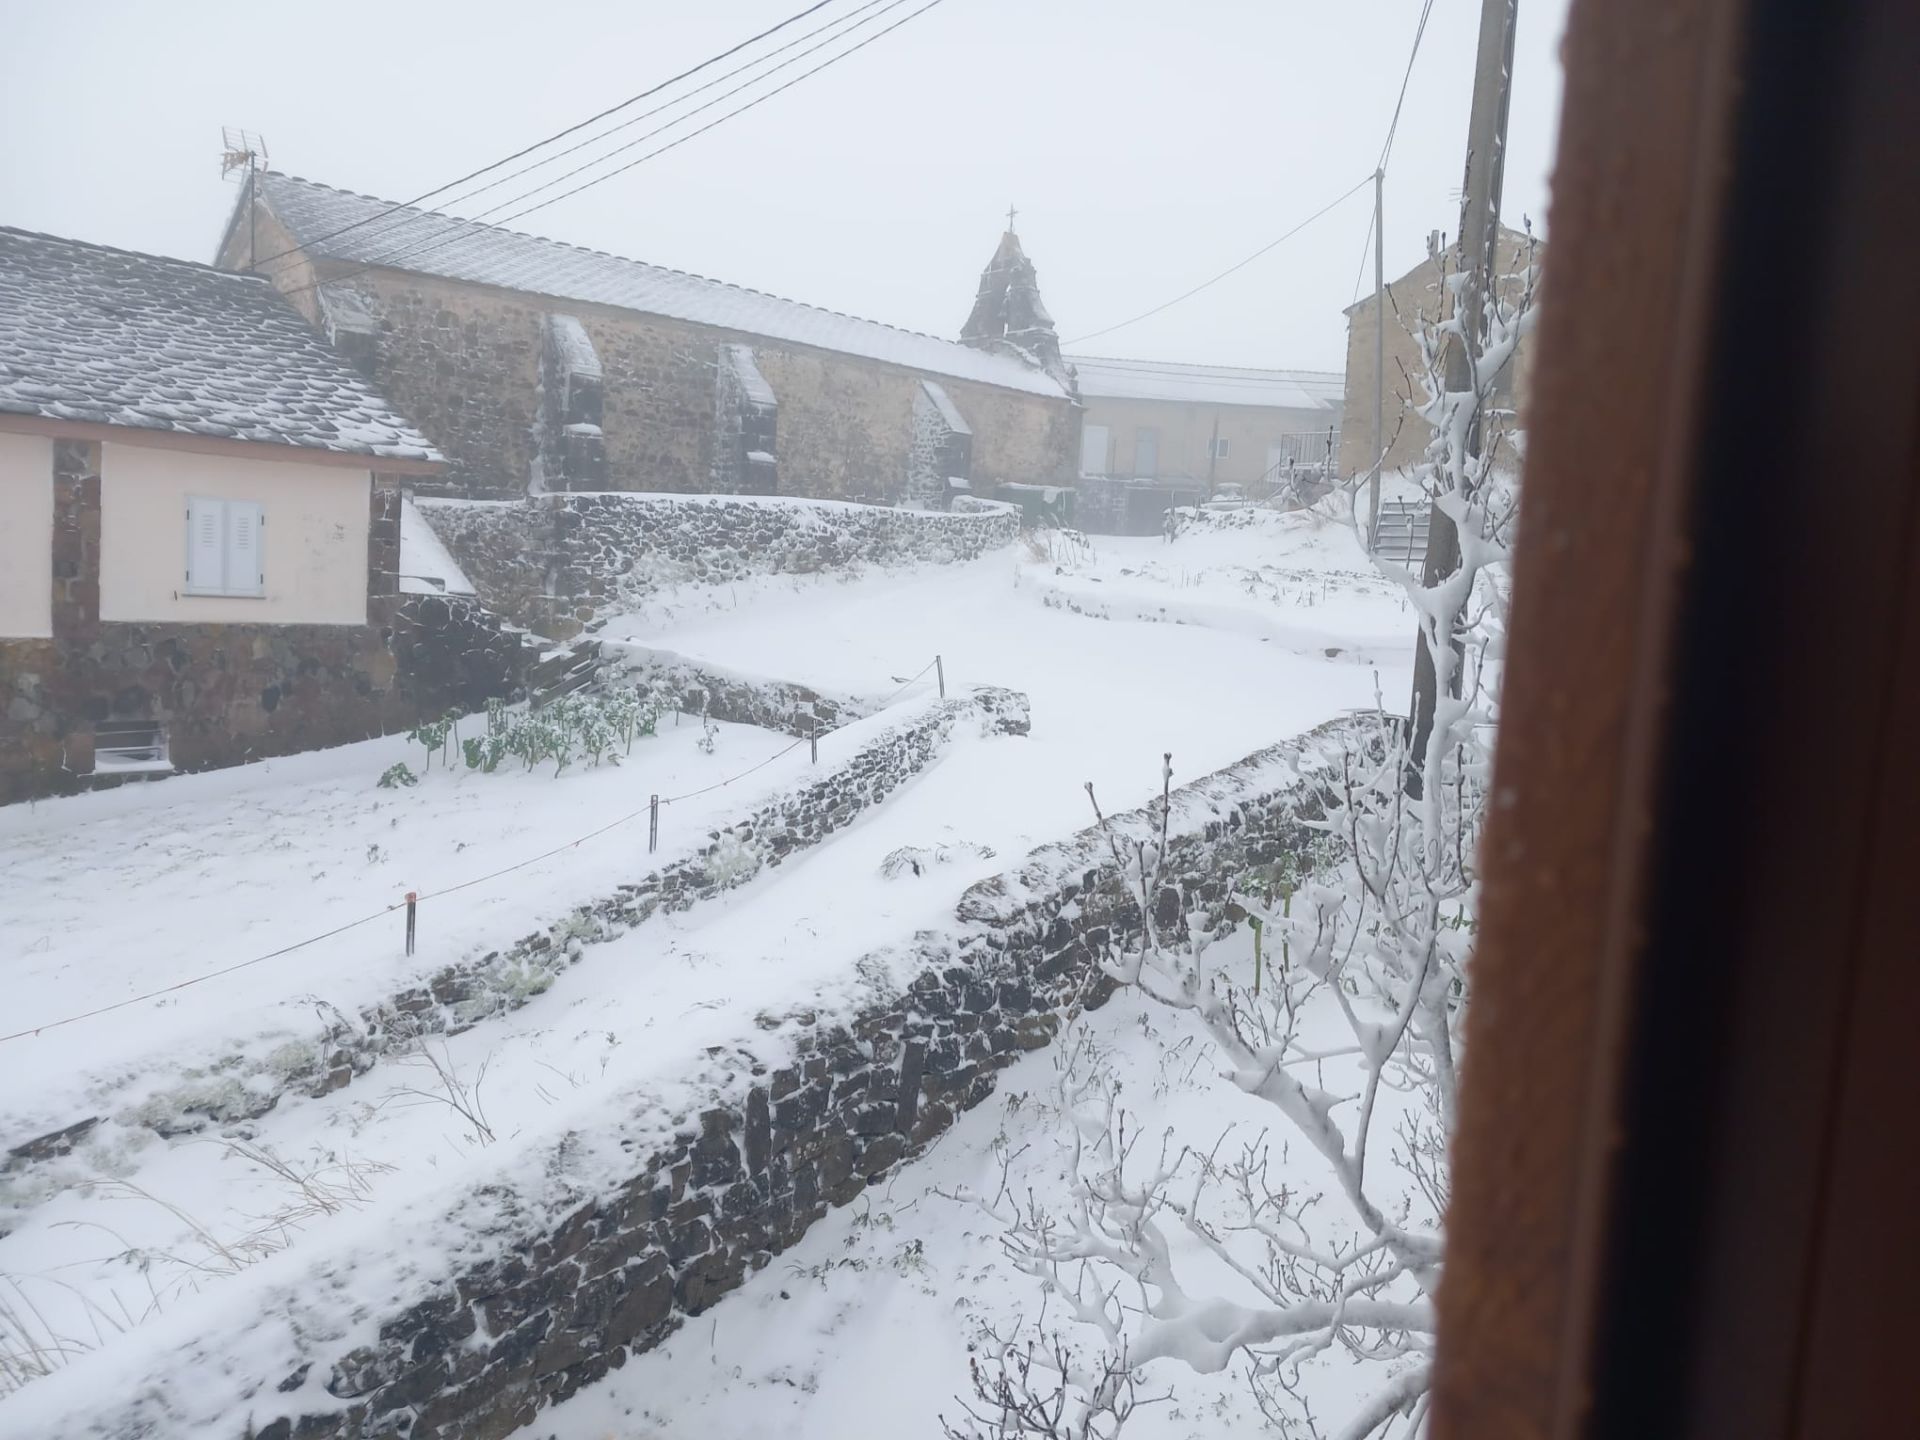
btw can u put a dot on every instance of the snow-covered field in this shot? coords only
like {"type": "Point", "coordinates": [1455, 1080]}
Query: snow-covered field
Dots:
{"type": "Point", "coordinates": [112, 895]}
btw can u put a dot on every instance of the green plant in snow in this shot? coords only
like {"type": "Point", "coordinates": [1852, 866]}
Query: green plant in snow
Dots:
{"type": "Point", "coordinates": [397, 776]}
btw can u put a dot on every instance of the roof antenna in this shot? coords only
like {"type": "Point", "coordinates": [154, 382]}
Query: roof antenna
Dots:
{"type": "Point", "coordinates": [243, 150]}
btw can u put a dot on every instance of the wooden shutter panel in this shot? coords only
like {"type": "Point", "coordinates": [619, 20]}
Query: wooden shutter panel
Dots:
{"type": "Point", "coordinates": [245, 564]}
{"type": "Point", "coordinates": [206, 545]}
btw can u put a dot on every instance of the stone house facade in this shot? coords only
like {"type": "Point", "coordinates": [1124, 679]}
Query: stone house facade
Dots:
{"type": "Point", "coordinates": [538, 366]}
{"type": "Point", "coordinates": [1419, 292]}
{"type": "Point", "coordinates": [1185, 429]}
{"type": "Point", "coordinates": [199, 529]}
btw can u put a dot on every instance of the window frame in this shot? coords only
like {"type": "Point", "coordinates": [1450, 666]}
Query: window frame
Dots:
{"type": "Point", "coordinates": [227, 509]}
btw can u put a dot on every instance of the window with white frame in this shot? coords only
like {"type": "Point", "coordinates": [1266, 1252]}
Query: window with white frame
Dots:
{"type": "Point", "coordinates": [1217, 447]}
{"type": "Point", "coordinates": [224, 547]}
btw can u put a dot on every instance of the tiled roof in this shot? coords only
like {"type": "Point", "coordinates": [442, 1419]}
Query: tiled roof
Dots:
{"type": "Point", "coordinates": [1102, 378]}
{"type": "Point", "coordinates": [427, 243]}
{"type": "Point", "coordinates": [110, 337]}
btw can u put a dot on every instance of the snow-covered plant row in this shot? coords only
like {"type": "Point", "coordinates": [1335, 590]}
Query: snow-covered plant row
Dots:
{"type": "Point", "coordinates": [563, 731]}
{"type": "Point", "coordinates": [1214, 1251]}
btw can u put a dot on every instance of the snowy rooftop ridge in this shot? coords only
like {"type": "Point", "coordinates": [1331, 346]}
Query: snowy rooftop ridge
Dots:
{"type": "Point", "coordinates": [1105, 377]}
{"type": "Point", "coordinates": [426, 242]}
{"type": "Point", "coordinates": [114, 337]}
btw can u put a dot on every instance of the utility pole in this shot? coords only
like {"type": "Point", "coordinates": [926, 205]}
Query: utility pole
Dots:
{"type": "Point", "coordinates": [1379, 361]}
{"type": "Point", "coordinates": [1479, 233]}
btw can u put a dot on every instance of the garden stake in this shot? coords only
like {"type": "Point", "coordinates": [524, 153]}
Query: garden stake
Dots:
{"type": "Point", "coordinates": [940, 670]}
{"type": "Point", "coordinates": [413, 899]}
{"type": "Point", "coordinates": [653, 825]}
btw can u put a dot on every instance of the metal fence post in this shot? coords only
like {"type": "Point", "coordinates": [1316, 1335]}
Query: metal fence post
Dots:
{"type": "Point", "coordinates": [413, 901]}
{"type": "Point", "coordinates": [813, 737]}
{"type": "Point", "coordinates": [653, 825]}
{"type": "Point", "coordinates": [940, 669]}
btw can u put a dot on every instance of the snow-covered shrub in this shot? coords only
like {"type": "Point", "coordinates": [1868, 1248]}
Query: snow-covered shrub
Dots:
{"type": "Point", "coordinates": [397, 776]}
{"type": "Point", "coordinates": [571, 726]}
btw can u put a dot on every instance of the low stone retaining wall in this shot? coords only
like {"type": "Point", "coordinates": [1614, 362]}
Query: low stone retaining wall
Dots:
{"type": "Point", "coordinates": [461, 996]}
{"type": "Point", "coordinates": [574, 1277]}
{"type": "Point", "coordinates": [702, 689]}
{"type": "Point", "coordinates": [553, 562]}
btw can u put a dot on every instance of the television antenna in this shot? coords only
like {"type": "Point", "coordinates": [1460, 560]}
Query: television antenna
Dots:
{"type": "Point", "coordinates": [241, 150]}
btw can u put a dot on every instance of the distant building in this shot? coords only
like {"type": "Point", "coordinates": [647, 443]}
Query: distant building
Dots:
{"type": "Point", "coordinates": [535, 365]}
{"type": "Point", "coordinates": [199, 523]}
{"type": "Point", "coordinates": [1157, 432]}
{"type": "Point", "coordinates": [1416, 293]}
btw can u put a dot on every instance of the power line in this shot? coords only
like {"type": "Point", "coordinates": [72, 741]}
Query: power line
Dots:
{"type": "Point", "coordinates": [1231, 269]}
{"type": "Point", "coordinates": [571, 129]}
{"type": "Point", "coordinates": [1360, 274]}
{"type": "Point", "coordinates": [463, 228]}
{"type": "Point", "coordinates": [841, 24]}
{"type": "Point", "coordinates": [677, 120]}
{"type": "Point", "coordinates": [1419, 31]}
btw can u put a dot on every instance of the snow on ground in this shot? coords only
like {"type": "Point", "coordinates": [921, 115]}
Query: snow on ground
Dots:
{"type": "Point", "coordinates": [864, 1329]}
{"type": "Point", "coordinates": [112, 894]}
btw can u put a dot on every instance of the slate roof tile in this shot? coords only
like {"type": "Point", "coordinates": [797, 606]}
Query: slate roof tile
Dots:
{"type": "Point", "coordinates": [89, 333]}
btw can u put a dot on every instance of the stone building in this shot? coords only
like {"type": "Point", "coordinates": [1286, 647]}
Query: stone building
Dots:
{"type": "Point", "coordinates": [535, 365]}
{"type": "Point", "coordinates": [1418, 292]}
{"type": "Point", "coordinates": [199, 527]}
{"type": "Point", "coordinates": [1155, 433]}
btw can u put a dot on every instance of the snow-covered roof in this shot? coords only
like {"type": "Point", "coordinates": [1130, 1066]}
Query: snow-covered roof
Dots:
{"type": "Point", "coordinates": [427, 243]}
{"type": "Point", "coordinates": [1110, 379]}
{"type": "Point", "coordinates": [111, 337]}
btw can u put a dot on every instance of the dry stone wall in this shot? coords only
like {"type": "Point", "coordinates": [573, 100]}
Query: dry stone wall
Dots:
{"type": "Point", "coordinates": [559, 1303]}
{"type": "Point", "coordinates": [554, 562]}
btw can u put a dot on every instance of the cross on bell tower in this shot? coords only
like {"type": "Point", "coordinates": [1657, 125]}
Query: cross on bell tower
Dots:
{"type": "Point", "coordinates": [1011, 212]}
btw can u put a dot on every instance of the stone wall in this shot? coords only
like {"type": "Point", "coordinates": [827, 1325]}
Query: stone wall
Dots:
{"type": "Point", "coordinates": [698, 688]}
{"type": "Point", "coordinates": [229, 693]}
{"type": "Point", "coordinates": [578, 1280]}
{"type": "Point", "coordinates": [463, 363]}
{"type": "Point", "coordinates": [553, 562]}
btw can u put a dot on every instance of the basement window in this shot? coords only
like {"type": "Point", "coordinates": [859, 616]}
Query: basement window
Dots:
{"type": "Point", "coordinates": [131, 747]}
{"type": "Point", "coordinates": [224, 549]}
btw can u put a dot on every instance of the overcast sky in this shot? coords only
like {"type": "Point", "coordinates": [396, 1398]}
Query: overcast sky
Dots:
{"type": "Point", "coordinates": [1148, 144]}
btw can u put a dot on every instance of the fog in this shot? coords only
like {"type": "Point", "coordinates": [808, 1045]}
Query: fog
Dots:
{"type": "Point", "coordinates": [1146, 146]}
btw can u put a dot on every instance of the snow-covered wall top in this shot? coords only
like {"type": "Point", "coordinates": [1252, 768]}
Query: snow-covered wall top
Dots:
{"type": "Point", "coordinates": [554, 562]}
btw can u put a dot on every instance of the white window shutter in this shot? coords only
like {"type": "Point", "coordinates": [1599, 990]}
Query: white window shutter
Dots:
{"type": "Point", "coordinates": [245, 562]}
{"type": "Point", "coordinates": [206, 545]}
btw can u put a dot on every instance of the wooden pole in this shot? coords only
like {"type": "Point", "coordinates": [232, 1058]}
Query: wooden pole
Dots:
{"type": "Point", "coordinates": [1379, 359]}
{"type": "Point", "coordinates": [1479, 233]}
